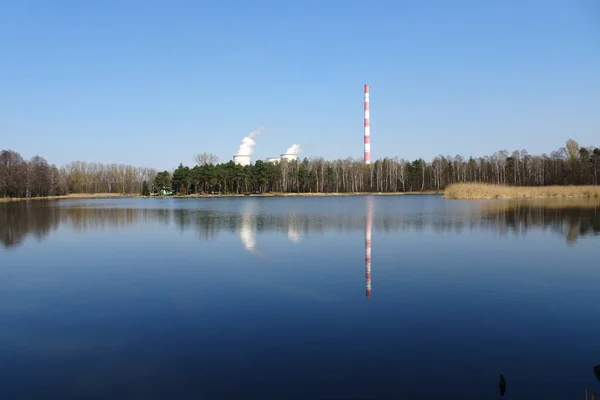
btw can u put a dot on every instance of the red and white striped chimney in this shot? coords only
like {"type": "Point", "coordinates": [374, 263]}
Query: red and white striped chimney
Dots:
{"type": "Point", "coordinates": [367, 128]}
{"type": "Point", "coordinates": [368, 227]}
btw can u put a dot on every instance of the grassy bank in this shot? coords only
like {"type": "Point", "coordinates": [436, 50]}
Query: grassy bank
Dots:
{"type": "Point", "coordinates": [272, 194]}
{"type": "Point", "coordinates": [67, 196]}
{"type": "Point", "coordinates": [466, 191]}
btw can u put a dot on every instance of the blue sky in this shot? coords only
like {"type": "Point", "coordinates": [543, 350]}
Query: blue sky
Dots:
{"type": "Point", "coordinates": [151, 83]}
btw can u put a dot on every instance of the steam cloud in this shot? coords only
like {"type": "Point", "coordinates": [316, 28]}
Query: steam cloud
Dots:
{"type": "Point", "coordinates": [293, 149]}
{"type": "Point", "coordinates": [249, 142]}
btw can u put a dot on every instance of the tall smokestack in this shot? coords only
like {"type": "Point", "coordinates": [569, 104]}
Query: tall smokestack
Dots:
{"type": "Point", "coordinates": [368, 227]}
{"type": "Point", "coordinates": [367, 128]}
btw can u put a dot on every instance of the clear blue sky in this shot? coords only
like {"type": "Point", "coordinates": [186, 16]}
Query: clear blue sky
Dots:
{"type": "Point", "coordinates": [151, 83]}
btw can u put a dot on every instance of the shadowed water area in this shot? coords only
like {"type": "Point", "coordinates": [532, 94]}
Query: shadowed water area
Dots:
{"type": "Point", "coordinates": [383, 297]}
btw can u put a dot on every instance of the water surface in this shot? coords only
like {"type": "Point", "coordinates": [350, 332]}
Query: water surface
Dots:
{"type": "Point", "coordinates": [402, 297]}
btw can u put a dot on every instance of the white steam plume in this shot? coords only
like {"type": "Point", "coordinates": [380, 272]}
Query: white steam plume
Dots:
{"type": "Point", "coordinates": [249, 142]}
{"type": "Point", "coordinates": [293, 149]}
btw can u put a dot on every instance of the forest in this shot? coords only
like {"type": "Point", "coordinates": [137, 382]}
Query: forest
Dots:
{"type": "Point", "coordinates": [569, 165]}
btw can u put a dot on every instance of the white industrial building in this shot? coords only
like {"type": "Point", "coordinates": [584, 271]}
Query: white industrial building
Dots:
{"type": "Point", "coordinates": [242, 159]}
{"type": "Point", "coordinates": [289, 157]}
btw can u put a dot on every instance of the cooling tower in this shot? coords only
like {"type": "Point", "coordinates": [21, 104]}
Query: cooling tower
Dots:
{"type": "Point", "coordinates": [289, 157]}
{"type": "Point", "coordinates": [242, 159]}
{"type": "Point", "coordinates": [273, 160]}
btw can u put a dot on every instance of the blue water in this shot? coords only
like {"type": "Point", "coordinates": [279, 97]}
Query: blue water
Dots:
{"type": "Point", "coordinates": [267, 298]}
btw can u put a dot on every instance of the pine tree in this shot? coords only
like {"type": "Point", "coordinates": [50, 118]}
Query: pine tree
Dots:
{"type": "Point", "coordinates": [145, 190]}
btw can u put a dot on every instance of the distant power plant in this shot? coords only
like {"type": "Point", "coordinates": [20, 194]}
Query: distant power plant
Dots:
{"type": "Point", "coordinates": [284, 156]}
{"type": "Point", "coordinates": [249, 143]}
{"type": "Point", "coordinates": [246, 148]}
{"type": "Point", "coordinates": [289, 157]}
{"type": "Point", "coordinates": [291, 154]}
{"type": "Point", "coordinates": [242, 159]}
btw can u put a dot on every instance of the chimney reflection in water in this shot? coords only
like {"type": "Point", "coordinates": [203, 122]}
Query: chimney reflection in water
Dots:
{"type": "Point", "coordinates": [368, 227]}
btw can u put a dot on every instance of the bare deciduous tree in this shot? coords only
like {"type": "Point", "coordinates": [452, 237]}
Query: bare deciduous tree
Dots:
{"type": "Point", "coordinates": [206, 158]}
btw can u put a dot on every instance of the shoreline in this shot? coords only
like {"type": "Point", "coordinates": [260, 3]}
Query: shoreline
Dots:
{"type": "Point", "coordinates": [278, 194]}
{"type": "Point", "coordinates": [458, 191]}
{"type": "Point", "coordinates": [66, 196]}
{"type": "Point", "coordinates": [84, 196]}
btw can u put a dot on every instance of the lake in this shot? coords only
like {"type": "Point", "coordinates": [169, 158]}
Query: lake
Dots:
{"type": "Point", "coordinates": [345, 297]}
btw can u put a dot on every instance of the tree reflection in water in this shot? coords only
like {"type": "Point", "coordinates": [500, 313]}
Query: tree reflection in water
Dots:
{"type": "Point", "coordinates": [571, 219]}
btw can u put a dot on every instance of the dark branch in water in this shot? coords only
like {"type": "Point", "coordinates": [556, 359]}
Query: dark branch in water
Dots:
{"type": "Point", "coordinates": [502, 385]}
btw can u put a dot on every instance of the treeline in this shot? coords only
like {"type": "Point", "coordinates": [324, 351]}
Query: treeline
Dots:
{"type": "Point", "coordinates": [83, 177]}
{"type": "Point", "coordinates": [569, 165]}
{"type": "Point", "coordinates": [20, 178]}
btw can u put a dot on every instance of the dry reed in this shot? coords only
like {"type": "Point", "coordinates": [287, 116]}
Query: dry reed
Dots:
{"type": "Point", "coordinates": [465, 191]}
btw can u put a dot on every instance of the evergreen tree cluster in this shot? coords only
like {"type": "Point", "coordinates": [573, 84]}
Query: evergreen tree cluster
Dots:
{"type": "Point", "coordinates": [145, 189]}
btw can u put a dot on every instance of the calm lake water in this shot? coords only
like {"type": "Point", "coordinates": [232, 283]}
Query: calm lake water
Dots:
{"type": "Point", "coordinates": [282, 298]}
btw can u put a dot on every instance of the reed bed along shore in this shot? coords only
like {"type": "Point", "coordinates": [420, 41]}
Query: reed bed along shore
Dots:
{"type": "Point", "coordinates": [474, 191]}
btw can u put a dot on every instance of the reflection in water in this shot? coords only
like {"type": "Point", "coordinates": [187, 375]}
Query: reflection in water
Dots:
{"type": "Point", "coordinates": [247, 232]}
{"type": "Point", "coordinates": [19, 220]}
{"type": "Point", "coordinates": [294, 234]}
{"type": "Point", "coordinates": [113, 309]}
{"type": "Point", "coordinates": [368, 228]}
{"type": "Point", "coordinates": [38, 218]}
{"type": "Point", "coordinates": [249, 222]}
{"type": "Point", "coordinates": [571, 219]}
{"type": "Point", "coordinates": [502, 385]}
